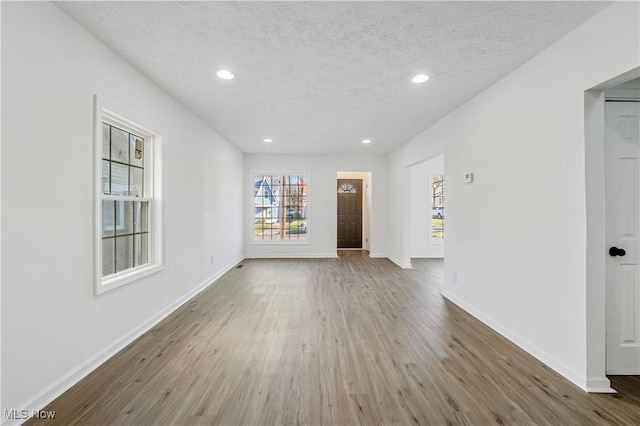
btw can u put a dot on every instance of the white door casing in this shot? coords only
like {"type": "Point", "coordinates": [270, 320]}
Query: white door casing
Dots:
{"type": "Point", "coordinates": [622, 183]}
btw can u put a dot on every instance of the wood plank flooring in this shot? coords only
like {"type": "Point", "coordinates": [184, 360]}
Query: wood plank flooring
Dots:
{"type": "Point", "coordinates": [330, 342]}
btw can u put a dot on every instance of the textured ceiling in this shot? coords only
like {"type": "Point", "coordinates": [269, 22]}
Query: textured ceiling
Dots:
{"type": "Point", "coordinates": [318, 77]}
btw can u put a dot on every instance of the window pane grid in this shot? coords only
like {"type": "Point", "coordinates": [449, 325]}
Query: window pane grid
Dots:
{"type": "Point", "coordinates": [125, 235]}
{"type": "Point", "coordinates": [280, 207]}
{"type": "Point", "coordinates": [124, 164]}
{"type": "Point", "coordinates": [125, 210]}
{"type": "Point", "coordinates": [123, 153]}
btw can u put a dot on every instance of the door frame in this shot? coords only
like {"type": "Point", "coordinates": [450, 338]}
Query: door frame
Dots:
{"type": "Point", "coordinates": [367, 191]}
{"type": "Point", "coordinates": [595, 279]}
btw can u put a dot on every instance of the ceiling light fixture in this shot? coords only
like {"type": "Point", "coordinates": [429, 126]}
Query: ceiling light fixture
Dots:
{"type": "Point", "coordinates": [420, 78]}
{"type": "Point", "coordinates": [225, 75]}
{"type": "Point", "coordinates": [268, 140]}
{"type": "Point", "coordinates": [366, 141]}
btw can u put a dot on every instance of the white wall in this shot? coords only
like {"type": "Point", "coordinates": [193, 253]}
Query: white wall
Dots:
{"type": "Point", "coordinates": [517, 236]}
{"type": "Point", "coordinates": [323, 171]}
{"type": "Point", "coordinates": [54, 330]}
{"type": "Point", "coordinates": [421, 243]}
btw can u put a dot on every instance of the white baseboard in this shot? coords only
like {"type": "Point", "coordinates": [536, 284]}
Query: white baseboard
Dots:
{"type": "Point", "coordinates": [63, 384]}
{"type": "Point", "coordinates": [599, 385]}
{"type": "Point", "coordinates": [403, 265]}
{"type": "Point", "coordinates": [292, 256]}
{"type": "Point", "coordinates": [550, 361]}
{"type": "Point", "coordinates": [378, 256]}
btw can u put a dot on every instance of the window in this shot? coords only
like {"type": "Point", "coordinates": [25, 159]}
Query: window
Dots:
{"type": "Point", "coordinates": [437, 207]}
{"type": "Point", "coordinates": [128, 210]}
{"type": "Point", "coordinates": [280, 207]}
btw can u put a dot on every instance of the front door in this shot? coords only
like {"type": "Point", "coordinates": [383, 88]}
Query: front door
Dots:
{"type": "Point", "coordinates": [623, 237]}
{"type": "Point", "coordinates": [349, 213]}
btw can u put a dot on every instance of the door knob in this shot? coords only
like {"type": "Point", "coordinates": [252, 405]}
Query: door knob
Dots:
{"type": "Point", "coordinates": [615, 251]}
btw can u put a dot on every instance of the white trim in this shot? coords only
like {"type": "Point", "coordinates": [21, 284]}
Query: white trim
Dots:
{"type": "Point", "coordinates": [378, 255]}
{"type": "Point", "coordinates": [599, 385]}
{"type": "Point", "coordinates": [64, 383]}
{"type": "Point", "coordinates": [108, 197]}
{"type": "Point", "coordinates": [542, 356]}
{"type": "Point", "coordinates": [127, 276]}
{"type": "Point", "coordinates": [153, 194]}
{"type": "Point", "coordinates": [403, 265]}
{"type": "Point", "coordinates": [293, 256]}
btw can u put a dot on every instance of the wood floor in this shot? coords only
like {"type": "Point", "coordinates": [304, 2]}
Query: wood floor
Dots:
{"type": "Point", "coordinates": [331, 342]}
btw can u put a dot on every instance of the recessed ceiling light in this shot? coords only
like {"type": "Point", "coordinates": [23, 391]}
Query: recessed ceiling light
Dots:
{"type": "Point", "coordinates": [225, 75]}
{"type": "Point", "coordinates": [268, 140]}
{"type": "Point", "coordinates": [365, 141]}
{"type": "Point", "coordinates": [420, 78]}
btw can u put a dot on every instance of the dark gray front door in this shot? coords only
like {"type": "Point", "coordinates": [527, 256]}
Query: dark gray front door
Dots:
{"type": "Point", "coordinates": [349, 213]}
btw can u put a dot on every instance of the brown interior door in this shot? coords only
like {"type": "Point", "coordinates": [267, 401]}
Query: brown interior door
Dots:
{"type": "Point", "coordinates": [349, 213]}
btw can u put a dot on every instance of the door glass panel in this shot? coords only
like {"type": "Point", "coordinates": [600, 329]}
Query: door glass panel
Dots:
{"type": "Point", "coordinates": [347, 188]}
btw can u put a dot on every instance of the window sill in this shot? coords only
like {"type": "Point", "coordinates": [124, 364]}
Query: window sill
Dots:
{"type": "Point", "coordinates": [126, 277]}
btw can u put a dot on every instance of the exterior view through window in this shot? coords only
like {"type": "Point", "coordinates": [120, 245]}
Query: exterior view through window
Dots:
{"type": "Point", "coordinates": [124, 207]}
{"type": "Point", "coordinates": [437, 207]}
{"type": "Point", "coordinates": [280, 207]}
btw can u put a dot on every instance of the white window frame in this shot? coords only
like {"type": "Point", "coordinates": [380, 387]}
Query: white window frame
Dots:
{"type": "Point", "coordinates": [251, 209]}
{"type": "Point", "coordinates": [104, 111]}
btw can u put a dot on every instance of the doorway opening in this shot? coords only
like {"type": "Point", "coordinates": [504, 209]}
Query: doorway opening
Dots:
{"type": "Point", "coordinates": [427, 208]}
{"type": "Point", "coordinates": [612, 165]}
{"type": "Point", "coordinates": [353, 216]}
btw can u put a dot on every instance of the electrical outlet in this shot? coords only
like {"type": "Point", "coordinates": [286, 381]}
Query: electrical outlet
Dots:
{"type": "Point", "coordinates": [468, 177]}
{"type": "Point", "coordinates": [454, 276]}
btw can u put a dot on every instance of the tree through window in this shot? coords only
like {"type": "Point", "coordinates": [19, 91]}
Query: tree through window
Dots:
{"type": "Point", "coordinates": [437, 207]}
{"type": "Point", "coordinates": [280, 207]}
